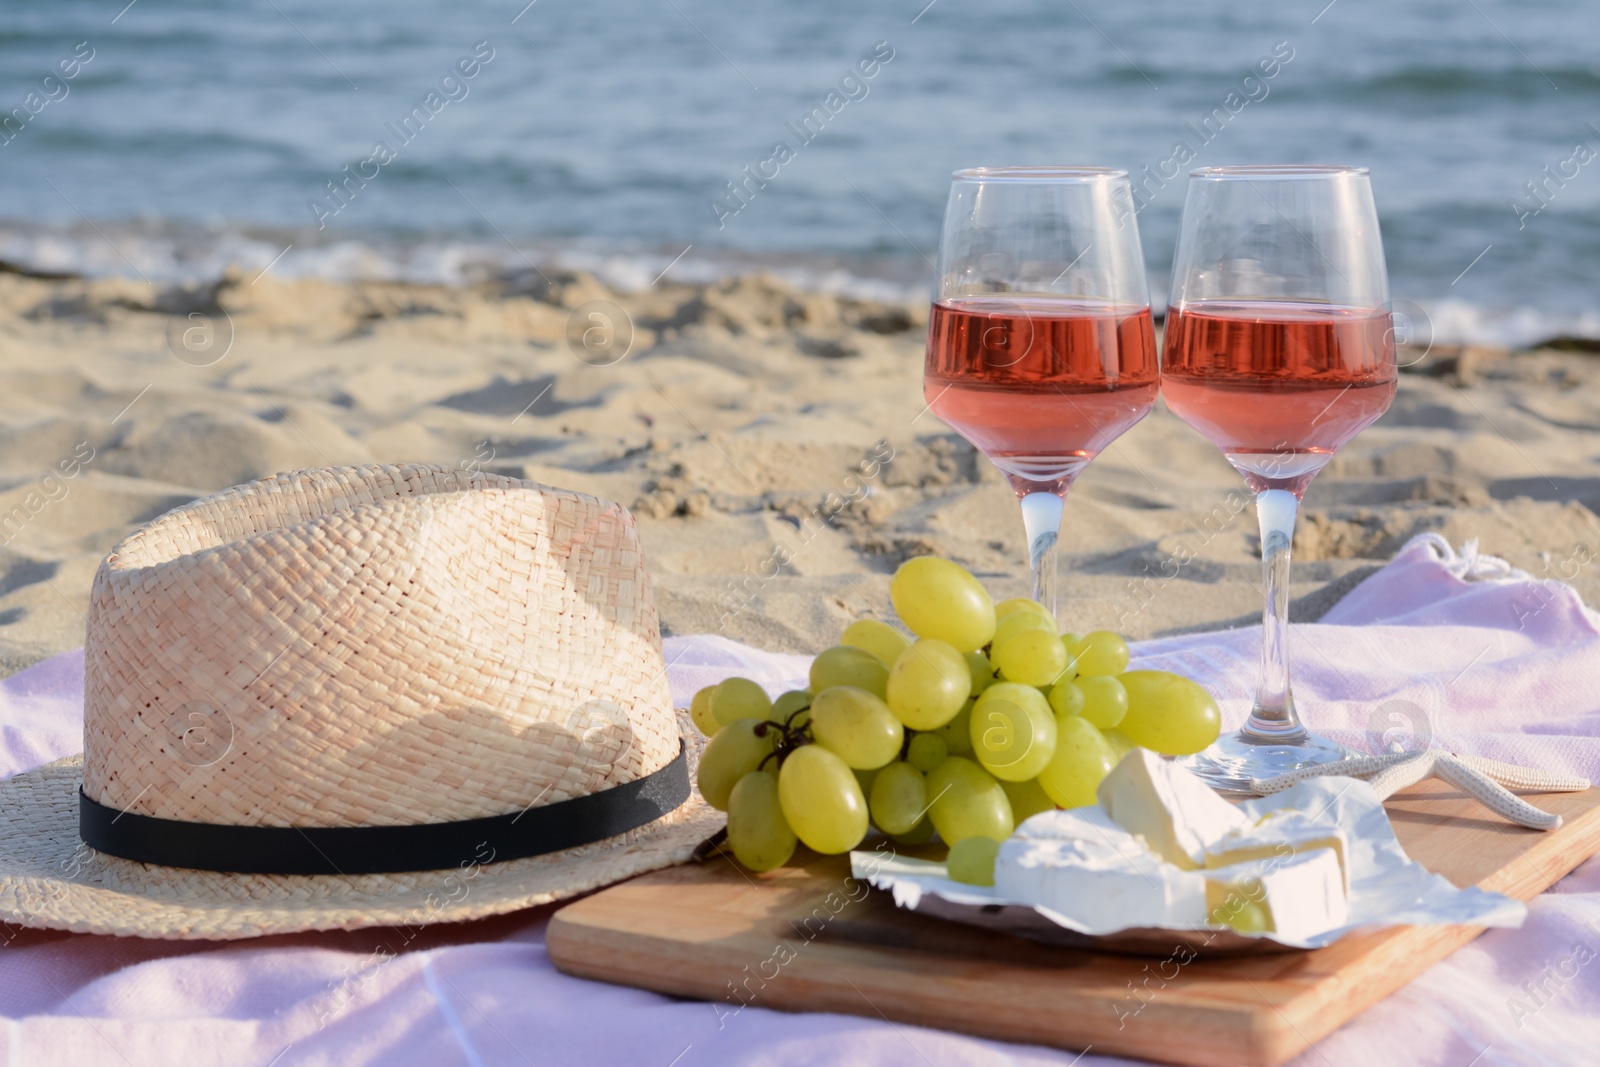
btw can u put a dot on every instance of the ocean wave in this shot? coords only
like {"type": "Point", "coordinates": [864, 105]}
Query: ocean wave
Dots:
{"type": "Point", "coordinates": [1456, 86]}
{"type": "Point", "coordinates": [183, 256]}
{"type": "Point", "coordinates": [195, 256]}
{"type": "Point", "coordinates": [1462, 322]}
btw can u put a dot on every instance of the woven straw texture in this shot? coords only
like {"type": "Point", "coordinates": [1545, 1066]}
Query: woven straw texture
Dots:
{"type": "Point", "coordinates": [373, 646]}
{"type": "Point", "coordinates": [378, 645]}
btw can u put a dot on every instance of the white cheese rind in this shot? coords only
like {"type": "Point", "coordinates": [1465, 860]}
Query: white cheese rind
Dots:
{"type": "Point", "coordinates": [1304, 894]}
{"type": "Point", "coordinates": [1176, 813]}
{"type": "Point", "coordinates": [1282, 833]}
{"type": "Point", "coordinates": [1083, 866]}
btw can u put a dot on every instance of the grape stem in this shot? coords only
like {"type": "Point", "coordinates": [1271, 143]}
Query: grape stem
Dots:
{"type": "Point", "coordinates": [789, 737]}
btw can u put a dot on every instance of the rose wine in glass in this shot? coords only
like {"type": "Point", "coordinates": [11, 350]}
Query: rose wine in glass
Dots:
{"type": "Point", "coordinates": [1279, 349]}
{"type": "Point", "coordinates": [1041, 349]}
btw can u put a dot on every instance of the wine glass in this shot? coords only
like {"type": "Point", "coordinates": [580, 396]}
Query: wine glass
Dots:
{"type": "Point", "coordinates": [1040, 344]}
{"type": "Point", "coordinates": [1279, 349]}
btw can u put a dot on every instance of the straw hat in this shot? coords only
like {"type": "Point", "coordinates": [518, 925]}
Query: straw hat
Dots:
{"type": "Point", "coordinates": [379, 695]}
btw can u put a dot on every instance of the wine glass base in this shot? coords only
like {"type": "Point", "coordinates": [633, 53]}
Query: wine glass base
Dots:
{"type": "Point", "coordinates": [1229, 765]}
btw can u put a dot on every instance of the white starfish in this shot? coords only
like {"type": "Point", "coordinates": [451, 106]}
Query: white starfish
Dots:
{"type": "Point", "coordinates": [1487, 781]}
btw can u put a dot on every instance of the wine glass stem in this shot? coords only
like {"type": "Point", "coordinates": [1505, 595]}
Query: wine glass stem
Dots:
{"type": "Point", "coordinates": [1274, 717]}
{"type": "Point", "coordinates": [1041, 521]}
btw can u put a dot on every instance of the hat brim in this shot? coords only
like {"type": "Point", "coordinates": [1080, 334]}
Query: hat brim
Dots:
{"type": "Point", "coordinates": [50, 880]}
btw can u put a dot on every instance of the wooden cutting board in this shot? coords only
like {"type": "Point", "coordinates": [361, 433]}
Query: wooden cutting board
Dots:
{"type": "Point", "coordinates": [810, 938]}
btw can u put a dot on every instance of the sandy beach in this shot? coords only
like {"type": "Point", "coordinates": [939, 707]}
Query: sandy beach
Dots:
{"type": "Point", "coordinates": [773, 443]}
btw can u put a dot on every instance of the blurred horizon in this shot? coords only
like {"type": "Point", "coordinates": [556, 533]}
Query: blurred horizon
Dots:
{"type": "Point", "coordinates": [603, 135]}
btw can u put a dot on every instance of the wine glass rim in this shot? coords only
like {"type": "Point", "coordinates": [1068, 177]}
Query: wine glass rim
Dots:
{"type": "Point", "coordinates": [1038, 174]}
{"type": "Point", "coordinates": [1255, 171]}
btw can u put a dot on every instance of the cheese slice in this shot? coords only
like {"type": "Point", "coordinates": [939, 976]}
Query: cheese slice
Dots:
{"type": "Point", "coordinates": [1085, 867]}
{"type": "Point", "coordinates": [1176, 813]}
{"type": "Point", "coordinates": [1282, 833]}
{"type": "Point", "coordinates": [1303, 896]}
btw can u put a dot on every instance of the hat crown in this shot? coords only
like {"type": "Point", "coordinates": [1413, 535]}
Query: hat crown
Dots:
{"type": "Point", "coordinates": [371, 646]}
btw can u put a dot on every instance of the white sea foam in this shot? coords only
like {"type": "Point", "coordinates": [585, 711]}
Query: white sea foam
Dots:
{"type": "Point", "coordinates": [189, 259]}
{"type": "Point", "coordinates": [201, 256]}
{"type": "Point", "coordinates": [1460, 322]}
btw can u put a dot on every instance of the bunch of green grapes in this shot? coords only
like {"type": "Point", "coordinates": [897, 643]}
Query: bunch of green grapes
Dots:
{"type": "Point", "coordinates": [985, 715]}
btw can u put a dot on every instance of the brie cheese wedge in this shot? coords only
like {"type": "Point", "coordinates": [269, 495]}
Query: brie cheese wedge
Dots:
{"type": "Point", "coordinates": [1084, 866]}
{"type": "Point", "coordinates": [1161, 850]}
{"type": "Point", "coordinates": [1303, 896]}
{"type": "Point", "coordinates": [1176, 813]}
{"type": "Point", "coordinates": [1283, 833]}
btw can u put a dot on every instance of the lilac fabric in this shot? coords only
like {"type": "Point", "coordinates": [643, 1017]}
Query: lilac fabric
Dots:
{"type": "Point", "coordinates": [1456, 646]}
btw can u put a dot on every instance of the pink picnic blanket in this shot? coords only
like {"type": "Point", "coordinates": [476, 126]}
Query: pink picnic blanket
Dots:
{"type": "Point", "coordinates": [1456, 647]}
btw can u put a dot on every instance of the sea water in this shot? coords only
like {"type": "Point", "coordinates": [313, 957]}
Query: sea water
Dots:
{"type": "Point", "coordinates": [433, 141]}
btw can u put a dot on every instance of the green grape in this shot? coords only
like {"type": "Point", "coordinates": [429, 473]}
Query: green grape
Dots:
{"type": "Point", "coordinates": [876, 637]}
{"type": "Point", "coordinates": [1032, 657]}
{"type": "Point", "coordinates": [982, 671]}
{"type": "Point", "coordinates": [790, 702]}
{"type": "Point", "coordinates": [1019, 622]}
{"type": "Point", "coordinates": [1066, 698]}
{"type": "Point", "coordinates": [957, 733]}
{"type": "Point", "coordinates": [927, 751]}
{"type": "Point", "coordinates": [1245, 916]}
{"type": "Point", "coordinates": [843, 665]}
{"type": "Point", "coordinates": [919, 834]}
{"type": "Point", "coordinates": [758, 833]}
{"type": "Point", "coordinates": [942, 600]}
{"type": "Point", "coordinates": [928, 684]}
{"type": "Point", "coordinates": [1105, 700]}
{"type": "Point", "coordinates": [972, 860]}
{"type": "Point", "coordinates": [734, 752]}
{"type": "Point", "coordinates": [1027, 799]}
{"type": "Point", "coordinates": [865, 779]}
{"type": "Point", "coordinates": [1168, 713]}
{"type": "Point", "coordinates": [794, 702]}
{"type": "Point", "coordinates": [967, 802]}
{"type": "Point", "coordinates": [1120, 745]}
{"type": "Point", "coordinates": [739, 698]}
{"type": "Point", "coordinates": [1253, 918]}
{"type": "Point", "coordinates": [1021, 603]}
{"type": "Point", "coordinates": [822, 801]}
{"type": "Point", "coordinates": [1013, 731]}
{"type": "Point", "coordinates": [899, 798]}
{"type": "Point", "coordinates": [1073, 644]}
{"type": "Point", "coordinates": [700, 711]}
{"type": "Point", "coordinates": [1102, 652]}
{"type": "Point", "coordinates": [1081, 760]}
{"type": "Point", "coordinates": [856, 726]}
